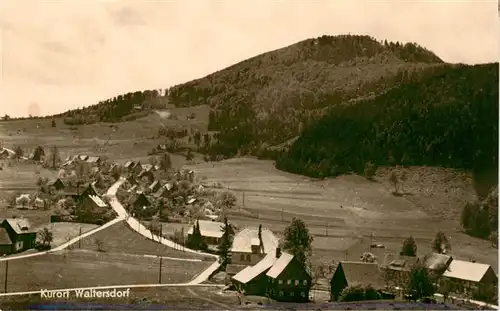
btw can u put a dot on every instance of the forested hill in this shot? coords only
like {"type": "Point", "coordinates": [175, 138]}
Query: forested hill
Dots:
{"type": "Point", "coordinates": [267, 99]}
{"type": "Point", "coordinates": [446, 117]}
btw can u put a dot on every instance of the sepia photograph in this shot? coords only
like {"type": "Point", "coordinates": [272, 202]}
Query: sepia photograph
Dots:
{"type": "Point", "coordinates": [249, 154]}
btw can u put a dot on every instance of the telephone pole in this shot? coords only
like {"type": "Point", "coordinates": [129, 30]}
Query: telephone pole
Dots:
{"type": "Point", "coordinates": [159, 275]}
{"type": "Point", "coordinates": [282, 218]}
{"type": "Point", "coordinates": [326, 229]}
{"type": "Point", "coordinates": [243, 198]}
{"type": "Point", "coordinates": [6, 275]}
{"type": "Point", "coordinates": [80, 240]}
{"type": "Point", "coordinates": [371, 242]}
{"type": "Point", "coordinates": [182, 236]}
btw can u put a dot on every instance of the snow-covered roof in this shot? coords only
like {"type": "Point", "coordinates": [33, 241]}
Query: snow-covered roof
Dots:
{"type": "Point", "coordinates": [466, 270]}
{"type": "Point", "coordinates": [242, 241]}
{"type": "Point", "coordinates": [247, 274]}
{"type": "Point", "coordinates": [209, 228]}
{"type": "Point", "coordinates": [279, 265]}
{"type": "Point", "coordinates": [93, 159]}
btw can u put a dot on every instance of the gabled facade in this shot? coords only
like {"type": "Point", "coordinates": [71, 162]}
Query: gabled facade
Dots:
{"type": "Point", "coordinates": [89, 189]}
{"type": "Point", "coordinates": [349, 273]}
{"type": "Point", "coordinates": [253, 279]}
{"type": "Point", "coordinates": [288, 279]}
{"type": "Point", "coordinates": [58, 184]}
{"type": "Point", "coordinates": [466, 276]}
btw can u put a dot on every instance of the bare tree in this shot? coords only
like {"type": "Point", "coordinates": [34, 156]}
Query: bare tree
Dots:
{"type": "Point", "coordinates": [54, 157]}
{"type": "Point", "coordinates": [403, 178]}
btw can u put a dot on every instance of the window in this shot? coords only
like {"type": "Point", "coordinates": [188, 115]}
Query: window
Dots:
{"type": "Point", "coordinates": [291, 294]}
{"type": "Point", "coordinates": [248, 257]}
{"type": "Point", "coordinates": [303, 294]}
{"type": "Point", "coordinates": [242, 257]}
{"type": "Point", "coordinates": [280, 281]}
{"type": "Point", "coordinates": [296, 282]}
{"type": "Point", "coordinates": [288, 282]}
{"type": "Point", "coordinates": [304, 282]}
{"type": "Point", "coordinates": [281, 293]}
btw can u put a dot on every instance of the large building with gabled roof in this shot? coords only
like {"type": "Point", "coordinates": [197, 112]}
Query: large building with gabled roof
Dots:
{"type": "Point", "coordinates": [469, 276]}
{"type": "Point", "coordinates": [279, 275]}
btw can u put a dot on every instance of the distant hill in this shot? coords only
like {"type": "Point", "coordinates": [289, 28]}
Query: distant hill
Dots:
{"type": "Point", "coordinates": [446, 116]}
{"type": "Point", "coordinates": [269, 98]}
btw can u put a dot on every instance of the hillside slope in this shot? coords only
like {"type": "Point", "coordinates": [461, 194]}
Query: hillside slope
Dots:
{"type": "Point", "coordinates": [268, 99]}
{"type": "Point", "coordinates": [447, 117]}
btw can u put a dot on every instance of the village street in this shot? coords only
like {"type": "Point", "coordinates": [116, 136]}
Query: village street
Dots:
{"type": "Point", "coordinates": [139, 228]}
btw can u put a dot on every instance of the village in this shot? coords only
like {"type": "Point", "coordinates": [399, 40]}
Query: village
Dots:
{"type": "Point", "coordinates": [176, 205]}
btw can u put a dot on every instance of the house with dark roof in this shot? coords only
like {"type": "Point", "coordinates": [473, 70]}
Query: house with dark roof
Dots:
{"type": "Point", "coordinates": [16, 235]}
{"type": "Point", "coordinates": [129, 165]}
{"type": "Point", "coordinates": [131, 180]}
{"type": "Point", "coordinates": [133, 167]}
{"type": "Point", "coordinates": [165, 191]}
{"type": "Point", "coordinates": [288, 279]}
{"type": "Point", "coordinates": [349, 273]}
{"type": "Point", "coordinates": [249, 248]}
{"type": "Point", "coordinates": [467, 276]}
{"type": "Point", "coordinates": [58, 184]}
{"type": "Point", "coordinates": [136, 168]}
{"type": "Point", "coordinates": [146, 176]}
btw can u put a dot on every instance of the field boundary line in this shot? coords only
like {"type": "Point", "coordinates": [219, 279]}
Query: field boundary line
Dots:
{"type": "Point", "coordinates": [67, 244]}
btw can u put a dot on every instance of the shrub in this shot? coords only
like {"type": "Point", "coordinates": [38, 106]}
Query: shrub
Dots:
{"type": "Point", "coordinates": [353, 293]}
{"type": "Point", "coordinates": [370, 170]}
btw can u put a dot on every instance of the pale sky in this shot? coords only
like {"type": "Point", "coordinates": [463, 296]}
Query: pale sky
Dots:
{"type": "Point", "coordinates": [59, 55]}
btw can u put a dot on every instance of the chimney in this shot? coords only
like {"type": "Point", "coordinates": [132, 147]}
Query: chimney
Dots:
{"type": "Point", "coordinates": [278, 252]}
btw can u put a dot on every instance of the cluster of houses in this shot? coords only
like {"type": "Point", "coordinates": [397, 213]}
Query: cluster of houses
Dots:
{"type": "Point", "coordinates": [82, 158]}
{"type": "Point", "coordinates": [259, 267]}
{"type": "Point", "coordinates": [147, 187]}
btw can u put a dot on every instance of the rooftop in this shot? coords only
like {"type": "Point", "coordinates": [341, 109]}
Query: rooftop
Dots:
{"type": "Point", "coordinates": [242, 241]}
{"type": "Point", "coordinates": [435, 261]}
{"type": "Point", "coordinates": [251, 272]}
{"type": "Point", "coordinates": [364, 273]}
{"type": "Point", "coordinates": [93, 159]}
{"type": "Point", "coordinates": [279, 265]}
{"type": "Point", "coordinates": [20, 225]}
{"type": "Point", "coordinates": [466, 270]}
{"type": "Point", "coordinates": [209, 228]}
